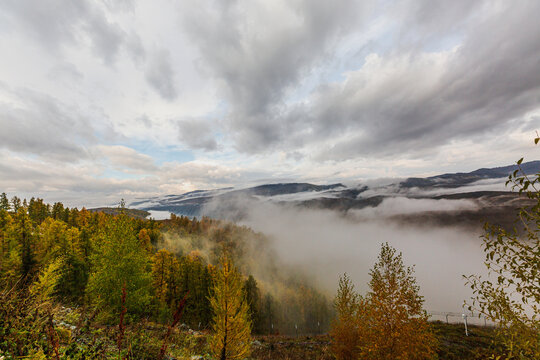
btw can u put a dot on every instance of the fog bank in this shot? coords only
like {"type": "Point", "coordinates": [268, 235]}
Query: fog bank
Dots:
{"type": "Point", "coordinates": [325, 244]}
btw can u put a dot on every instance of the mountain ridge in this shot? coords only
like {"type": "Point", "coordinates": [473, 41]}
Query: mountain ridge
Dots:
{"type": "Point", "coordinates": [336, 196]}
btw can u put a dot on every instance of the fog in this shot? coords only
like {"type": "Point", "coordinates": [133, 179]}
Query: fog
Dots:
{"type": "Point", "coordinates": [325, 244]}
{"type": "Point", "coordinates": [402, 205]}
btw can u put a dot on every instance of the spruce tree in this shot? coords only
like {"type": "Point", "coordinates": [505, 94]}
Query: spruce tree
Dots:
{"type": "Point", "coordinates": [232, 328]}
{"type": "Point", "coordinates": [23, 231]}
{"type": "Point", "coordinates": [15, 204]}
{"type": "Point", "coordinates": [4, 202]}
{"type": "Point", "coordinates": [253, 298]}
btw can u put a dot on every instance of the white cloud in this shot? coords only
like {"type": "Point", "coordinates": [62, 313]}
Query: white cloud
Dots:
{"type": "Point", "coordinates": [124, 157]}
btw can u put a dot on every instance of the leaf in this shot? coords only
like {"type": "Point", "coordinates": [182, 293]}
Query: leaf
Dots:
{"type": "Point", "coordinates": [520, 161]}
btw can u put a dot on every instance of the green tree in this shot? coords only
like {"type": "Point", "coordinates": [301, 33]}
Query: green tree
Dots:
{"type": "Point", "coordinates": [57, 211]}
{"type": "Point", "coordinates": [120, 260]}
{"type": "Point", "coordinates": [510, 295]}
{"type": "Point", "coordinates": [196, 280]}
{"type": "Point", "coordinates": [15, 203]}
{"type": "Point", "coordinates": [253, 298]}
{"type": "Point", "coordinates": [4, 202]}
{"type": "Point", "coordinates": [37, 210]}
{"type": "Point", "coordinates": [10, 259]}
{"type": "Point", "coordinates": [73, 278]}
{"type": "Point", "coordinates": [23, 232]}
{"type": "Point", "coordinates": [268, 314]}
{"type": "Point", "coordinates": [232, 327]}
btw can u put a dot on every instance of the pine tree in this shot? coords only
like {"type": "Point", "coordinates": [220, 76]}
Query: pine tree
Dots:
{"type": "Point", "coordinates": [231, 324]}
{"type": "Point", "coordinates": [4, 202]}
{"type": "Point", "coordinates": [57, 211]}
{"type": "Point", "coordinates": [253, 298]}
{"type": "Point", "coordinates": [15, 204]}
{"type": "Point", "coordinates": [23, 233]}
{"type": "Point", "coordinates": [268, 314]}
{"type": "Point", "coordinates": [10, 259]}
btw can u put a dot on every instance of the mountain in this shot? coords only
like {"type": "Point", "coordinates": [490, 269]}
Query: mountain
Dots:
{"type": "Point", "coordinates": [456, 180]}
{"type": "Point", "coordinates": [483, 191]}
{"type": "Point", "coordinates": [192, 203]}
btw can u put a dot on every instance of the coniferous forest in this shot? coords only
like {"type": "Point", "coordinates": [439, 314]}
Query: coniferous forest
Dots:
{"type": "Point", "coordinates": [86, 270]}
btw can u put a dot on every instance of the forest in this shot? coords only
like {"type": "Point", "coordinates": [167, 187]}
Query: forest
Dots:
{"type": "Point", "coordinates": [79, 259]}
{"type": "Point", "coordinates": [81, 284]}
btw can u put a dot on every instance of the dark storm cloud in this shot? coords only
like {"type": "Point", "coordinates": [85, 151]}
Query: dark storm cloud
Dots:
{"type": "Point", "coordinates": [408, 100]}
{"type": "Point", "coordinates": [258, 55]}
{"type": "Point", "coordinates": [37, 124]}
{"type": "Point", "coordinates": [160, 75]}
{"type": "Point", "coordinates": [54, 23]}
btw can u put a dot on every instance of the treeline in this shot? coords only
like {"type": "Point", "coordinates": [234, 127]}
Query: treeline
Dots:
{"type": "Point", "coordinates": [91, 256]}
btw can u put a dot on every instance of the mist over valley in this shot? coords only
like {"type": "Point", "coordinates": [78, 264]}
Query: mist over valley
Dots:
{"type": "Point", "coordinates": [327, 230]}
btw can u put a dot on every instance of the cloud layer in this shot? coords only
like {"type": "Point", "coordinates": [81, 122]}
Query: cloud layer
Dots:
{"type": "Point", "coordinates": [123, 93]}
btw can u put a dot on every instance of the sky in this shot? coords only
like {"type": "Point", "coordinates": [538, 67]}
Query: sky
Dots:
{"type": "Point", "coordinates": [108, 99]}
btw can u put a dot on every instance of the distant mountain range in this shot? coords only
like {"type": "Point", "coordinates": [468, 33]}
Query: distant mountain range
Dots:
{"type": "Point", "coordinates": [483, 186]}
{"type": "Point", "coordinates": [460, 179]}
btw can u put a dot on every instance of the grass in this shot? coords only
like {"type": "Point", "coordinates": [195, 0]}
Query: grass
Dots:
{"type": "Point", "coordinates": [453, 344]}
{"type": "Point", "coordinates": [145, 340]}
{"type": "Point", "coordinates": [292, 348]}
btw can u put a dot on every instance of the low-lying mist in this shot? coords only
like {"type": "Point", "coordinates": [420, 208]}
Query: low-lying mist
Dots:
{"type": "Point", "coordinates": [324, 244]}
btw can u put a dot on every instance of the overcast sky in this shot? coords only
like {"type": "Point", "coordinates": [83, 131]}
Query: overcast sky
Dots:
{"type": "Point", "coordinates": [102, 100]}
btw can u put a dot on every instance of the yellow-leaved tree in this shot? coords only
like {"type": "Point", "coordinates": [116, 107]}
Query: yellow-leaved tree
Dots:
{"type": "Point", "coordinates": [232, 328]}
{"type": "Point", "coordinates": [397, 326]}
{"type": "Point", "coordinates": [345, 330]}
{"type": "Point", "coordinates": [389, 322]}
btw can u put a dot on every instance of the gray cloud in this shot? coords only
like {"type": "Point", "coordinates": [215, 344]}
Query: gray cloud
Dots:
{"type": "Point", "coordinates": [107, 38]}
{"type": "Point", "coordinates": [73, 184]}
{"type": "Point", "coordinates": [37, 124]}
{"type": "Point", "coordinates": [408, 100]}
{"type": "Point", "coordinates": [258, 51]}
{"type": "Point", "coordinates": [481, 88]}
{"type": "Point", "coordinates": [55, 23]}
{"type": "Point", "coordinates": [160, 75]}
{"type": "Point", "coordinates": [120, 5]}
{"type": "Point", "coordinates": [197, 134]}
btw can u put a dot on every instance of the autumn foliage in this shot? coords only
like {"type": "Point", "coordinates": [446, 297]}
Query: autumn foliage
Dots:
{"type": "Point", "coordinates": [231, 324]}
{"type": "Point", "coordinates": [389, 322]}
